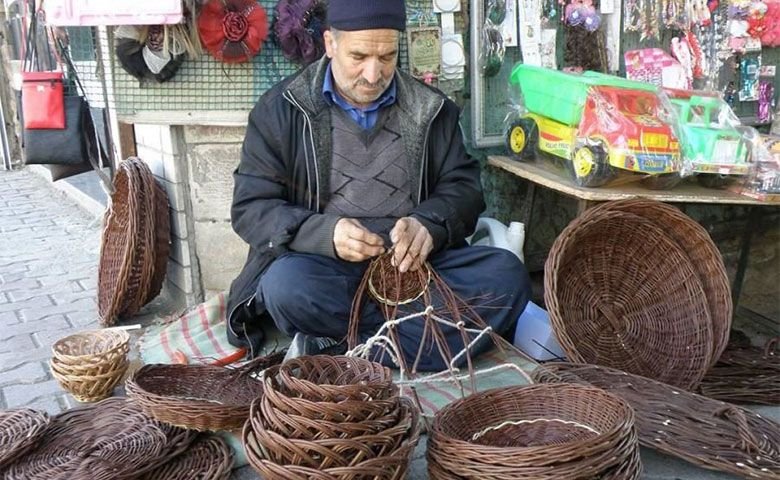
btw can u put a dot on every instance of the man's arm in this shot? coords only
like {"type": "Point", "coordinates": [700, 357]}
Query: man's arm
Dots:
{"type": "Point", "coordinates": [455, 200]}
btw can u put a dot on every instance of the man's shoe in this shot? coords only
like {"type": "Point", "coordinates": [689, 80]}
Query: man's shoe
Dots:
{"type": "Point", "coordinates": [303, 344]}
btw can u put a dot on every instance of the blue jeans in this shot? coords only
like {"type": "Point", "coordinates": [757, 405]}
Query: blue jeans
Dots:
{"type": "Point", "coordinates": [313, 294]}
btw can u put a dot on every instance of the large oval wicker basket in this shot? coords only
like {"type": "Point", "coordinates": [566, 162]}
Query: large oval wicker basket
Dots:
{"type": "Point", "coordinates": [704, 255]}
{"type": "Point", "coordinates": [135, 243]}
{"type": "Point", "coordinates": [621, 293]}
{"type": "Point", "coordinates": [706, 432]}
{"type": "Point", "coordinates": [20, 431]}
{"type": "Point", "coordinates": [535, 432]}
{"type": "Point", "coordinates": [199, 397]}
{"type": "Point", "coordinates": [90, 364]}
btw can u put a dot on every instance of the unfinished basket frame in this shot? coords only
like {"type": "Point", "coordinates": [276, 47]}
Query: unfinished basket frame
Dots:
{"type": "Point", "coordinates": [90, 364]}
{"type": "Point", "coordinates": [535, 432]}
{"type": "Point", "coordinates": [618, 273]}
{"type": "Point", "coordinates": [20, 431]}
{"type": "Point", "coordinates": [708, 433]}
{"type": "Point", "coordinates": [207, 458]}
{"type": "Point", "coordinates": [746, 375]}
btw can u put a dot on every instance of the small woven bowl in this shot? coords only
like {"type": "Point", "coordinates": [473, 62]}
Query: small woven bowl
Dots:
{"type": "Point", "coordinates": [90, 364]}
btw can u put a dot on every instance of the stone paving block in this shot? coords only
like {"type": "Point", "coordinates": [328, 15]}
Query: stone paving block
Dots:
{"type": "Point", "coordinates": [20, 395]}
{"type": "Point", "coordinates": [33, 314]}
{"type": "Point", "coordinates": [54, 322]}
{"type": "Point", "coordinates": [18, 343]}
{"type": "Point", "coordinates": [10, 361]}
{"type": "Point", "coordinates": [50, 404]}
{"type": "Point", "coordinates": [39, 302]}
{"type": "Point", "coordinates": [25, 374]}
{"type": "Point", "coordinates": [82, 320]}
{"type": "Point", "coordinates": [62, 298]}
{"type": "Point", "coordinates": [8, 318]}
{"type": "Point", "coordinates": [24, 285]}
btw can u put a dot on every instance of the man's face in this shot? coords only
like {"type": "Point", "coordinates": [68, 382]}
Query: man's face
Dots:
{"type": "Point", "coordinates": [363, 63]}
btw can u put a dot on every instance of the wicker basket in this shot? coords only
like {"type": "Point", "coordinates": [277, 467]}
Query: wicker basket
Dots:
{"type": "Point", "coordinates": [111, 439]}
{"type": "Point", "coordinates": [621, 293]}
{"type": "Point", "coordinates": [20, 431]}
{"type": "Point", "coordinates": [330, 418]}
{"type": "Point", "coordinates": [746, 374]}
{"type": "Point", "coordinates": [701, 250]}
{"type": "Point", "coordinates": [708, 433]}
{"type": "Point", "coordinates": [208, 458]}
{"type": "Point", "coordinates": [199, 397]}
{"type": "Point", "coordinates": [90, 364]}
{"type": "Point", "coordinates": [135, 243]}
{"type": "Point", "coordinates": [539, 432]}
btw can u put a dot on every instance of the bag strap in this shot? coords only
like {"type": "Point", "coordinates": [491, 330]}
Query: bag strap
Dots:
{"type": "Point", "coordinates": [91, 133]}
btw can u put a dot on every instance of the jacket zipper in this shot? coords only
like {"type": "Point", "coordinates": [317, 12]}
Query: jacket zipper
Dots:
{"type": "Point", "coordinates": [425, 152]}
{"type": "Point", "coordinates": [288, 96]}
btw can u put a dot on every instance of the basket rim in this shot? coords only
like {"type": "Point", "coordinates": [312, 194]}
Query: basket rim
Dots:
{"type": "Point", "coordinates": [120, 337]}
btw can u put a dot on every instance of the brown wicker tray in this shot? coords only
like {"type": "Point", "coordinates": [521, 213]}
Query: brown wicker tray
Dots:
{"type": "Point", "coordinates": [199, 397]}
{"type": "Point", "coordinates": [207, 458]}
{"type": "Point", "coordinates": [109, 440]}
{"type": "Point", "coordinates": [535, 432]}
{"type": "Point", "coordinates": [746, 375]}
{"type": "Point", "coordinates": [708, 433]}
{"type": "Point", "coordinates": [621, 293]}
{"type": "Point", "coordinates": [20, 431]}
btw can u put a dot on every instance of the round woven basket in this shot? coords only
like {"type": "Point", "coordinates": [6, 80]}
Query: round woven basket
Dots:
{"type": "Point", "coordinates": [20, 431]}
{"type": "Point", "coordinates": [111, 439]}
{"type": "Point", "coordinates": [135, 244]}
{"type": "Point", "coordinates": [621, 293]}
{"type": "Point", "coordinates": [535, 432]}
{"type": "Point", "coordinates": [90, 364]}
{"type": "Point", "coordinates": [198, 397]}
{"type": "Point", "coordinates": [704, 255]}
{"type": "Point", "coordinates": [706, 432]}
{"type": "Point", "coordinates": [208, 458]}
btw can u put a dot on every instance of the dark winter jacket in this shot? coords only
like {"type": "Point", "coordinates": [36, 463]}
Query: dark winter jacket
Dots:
{"type": "Point", "coordinates": [281, 183]}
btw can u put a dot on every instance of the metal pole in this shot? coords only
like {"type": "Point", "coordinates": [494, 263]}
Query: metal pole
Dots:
{"type": "Point", "coordinates": [4, 134]}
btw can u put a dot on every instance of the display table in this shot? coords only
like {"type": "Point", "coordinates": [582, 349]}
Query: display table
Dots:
{"type": "Point", "coordinates": [545, 174]}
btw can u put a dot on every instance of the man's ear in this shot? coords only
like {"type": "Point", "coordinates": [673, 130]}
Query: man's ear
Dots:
{"type": "Point", "coordinates": [330, 43]}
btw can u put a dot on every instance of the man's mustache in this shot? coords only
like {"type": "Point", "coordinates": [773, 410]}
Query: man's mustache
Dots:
{"type": "Point", "coordinates": [364, 83]}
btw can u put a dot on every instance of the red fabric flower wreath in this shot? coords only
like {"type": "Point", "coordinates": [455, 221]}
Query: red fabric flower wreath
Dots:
{"type": "Point", "coordinates": [233, 31]}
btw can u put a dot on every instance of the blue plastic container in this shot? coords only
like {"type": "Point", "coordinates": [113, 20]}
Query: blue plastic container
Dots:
{"type": "Point", "coordinates": [534, 334]}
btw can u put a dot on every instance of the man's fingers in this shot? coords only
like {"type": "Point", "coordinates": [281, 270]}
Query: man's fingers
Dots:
{"type": "Point", "coordinates": [399, 229]}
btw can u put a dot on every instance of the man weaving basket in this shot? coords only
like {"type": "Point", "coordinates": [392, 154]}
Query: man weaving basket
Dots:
{"type": "Point", "coordinates": [343, 161]}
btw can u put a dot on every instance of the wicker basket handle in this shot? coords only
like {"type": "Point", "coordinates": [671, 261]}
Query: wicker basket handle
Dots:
{"type": "Point", "coordinates": [770, 349]}
{"type": "Point", "coordinates": [747, 441]}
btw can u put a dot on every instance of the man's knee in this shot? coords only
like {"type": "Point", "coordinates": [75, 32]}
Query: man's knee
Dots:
{"type": "Point", "coordinates": [278, 284]}
{"type": "Point", "coordinates": [507, 271]}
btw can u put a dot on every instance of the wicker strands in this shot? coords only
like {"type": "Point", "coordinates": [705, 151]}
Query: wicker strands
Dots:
{"type": "Point", "coordinates": [746, 374]}
{"type": "Point", "coordinates": [110, 440]}
{"type": "Point", "coordinates": [328, 418]}
{"type": "Point", "coordinates": [621, 293]}
{"type": "Point", "coordinates": [702, 252]}
{"type": "Point", "coordinates": [199, 397]}
{"type": "Point", "coordinates": [706, 432]}
{"type": "Point", "coordinates": [540, 432]}
{"type": "Point", "coordinates": [20, 431]}
{"type": "Point", "coordinates": [90, 364]}
{"type": "Point", "coordinates": [135, 243]}
{"type": "Point", "coordinates": [208, 458]}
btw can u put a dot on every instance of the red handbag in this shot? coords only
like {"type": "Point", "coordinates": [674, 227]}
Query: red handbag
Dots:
{"type": "Point", "coordinates": [42, 100]}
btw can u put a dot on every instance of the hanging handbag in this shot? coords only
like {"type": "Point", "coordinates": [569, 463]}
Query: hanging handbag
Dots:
{"type": "Point", "coordinates": [58, 146]}
{"type": "Point", "coordinates": [42, 91]}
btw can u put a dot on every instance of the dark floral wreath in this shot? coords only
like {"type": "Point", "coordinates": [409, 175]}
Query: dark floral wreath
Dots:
{"type": "Point", "coordinates": [298, 29]}
{"type": "Point", "coordinates": [233, 31]}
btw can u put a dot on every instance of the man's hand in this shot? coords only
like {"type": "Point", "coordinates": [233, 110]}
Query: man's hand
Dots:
{"type": "Point", "coordinates": [354, 243]}
{"type": "Point", "coordinates": [412, 243]}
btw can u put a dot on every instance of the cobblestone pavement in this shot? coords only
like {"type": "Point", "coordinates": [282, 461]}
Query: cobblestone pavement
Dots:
{"type": "Point", "coordinates": [48, 278]}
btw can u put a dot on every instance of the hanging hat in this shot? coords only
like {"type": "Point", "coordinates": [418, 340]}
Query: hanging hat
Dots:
{"type": "Point", "coordinates": [298, 29]}
{"type": "Point", "coordinates": [350, 15]}
{"type": "Point", "coordinates": [233, 31]}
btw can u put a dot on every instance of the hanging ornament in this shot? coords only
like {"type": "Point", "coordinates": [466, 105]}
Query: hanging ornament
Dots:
{"type": "Point", "coordinates": [766, 94]}
{"type": "Point", "coordinates": [233, 31]}
{"type": "Point", "coordinates": [298, 29]}
{"type": "Point", "coordinates": [696, 54]}
{"type": "Point", "coordinates": [143, 52]}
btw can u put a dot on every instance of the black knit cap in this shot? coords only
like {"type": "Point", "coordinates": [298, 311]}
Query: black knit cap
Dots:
{"type": "Point", "coordinates": [350, 15]}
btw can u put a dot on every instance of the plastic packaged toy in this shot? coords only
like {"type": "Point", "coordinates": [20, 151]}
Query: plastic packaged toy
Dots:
{"type": "Point", "coordinates": [599, 123]}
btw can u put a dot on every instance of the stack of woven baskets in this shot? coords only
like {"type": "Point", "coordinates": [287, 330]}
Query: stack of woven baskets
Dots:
{"type": "Point", "coordinates": [135, 244]}
{"type": "Point", "coordinates": [330, 418]}
{"type": "Point", "coordinates": [637, 285]}
{"type": "Point", "coordinates": [544, 432]}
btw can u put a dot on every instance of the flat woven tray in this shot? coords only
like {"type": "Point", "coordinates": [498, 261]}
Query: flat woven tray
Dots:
{"type": "Point", "coordinates": [199, 397]}
{"type": "Point", "coordinates": [20, 431]}
{"type": "Point", "coordinates": [705, 258]}
{"type": "Point", "coordinates": [543, 432]}
{"type": "Point", "coordinates": [109, 440]}
{"type": "Point", "coordinates": [621, 293]}
{"type": "Point", "coordinates": [207, 458]}
{"type": "Point", "coordinates": [746, 374]}
{"type": "Point", "coordinates": [706, 432]}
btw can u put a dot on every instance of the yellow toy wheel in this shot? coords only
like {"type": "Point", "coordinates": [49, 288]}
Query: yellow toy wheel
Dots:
{"type": "Point", "coordinates": [589, 166]}
{"type": "Point", "coordinates": [583, 162]}
{"type": "Point", "coordinates": [522, 138]}
{"type": "Point", "coordinates": [517, 139]}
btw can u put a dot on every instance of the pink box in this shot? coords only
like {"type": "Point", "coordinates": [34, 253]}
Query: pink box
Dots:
{"type": "Point", "coordinates": [84, 13]}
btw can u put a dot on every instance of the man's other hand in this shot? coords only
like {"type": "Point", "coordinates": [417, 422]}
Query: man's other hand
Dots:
{"type": "Point", "coordinates": [354, 243]}
{"type": "Point", "coordinates": [412, 243]}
